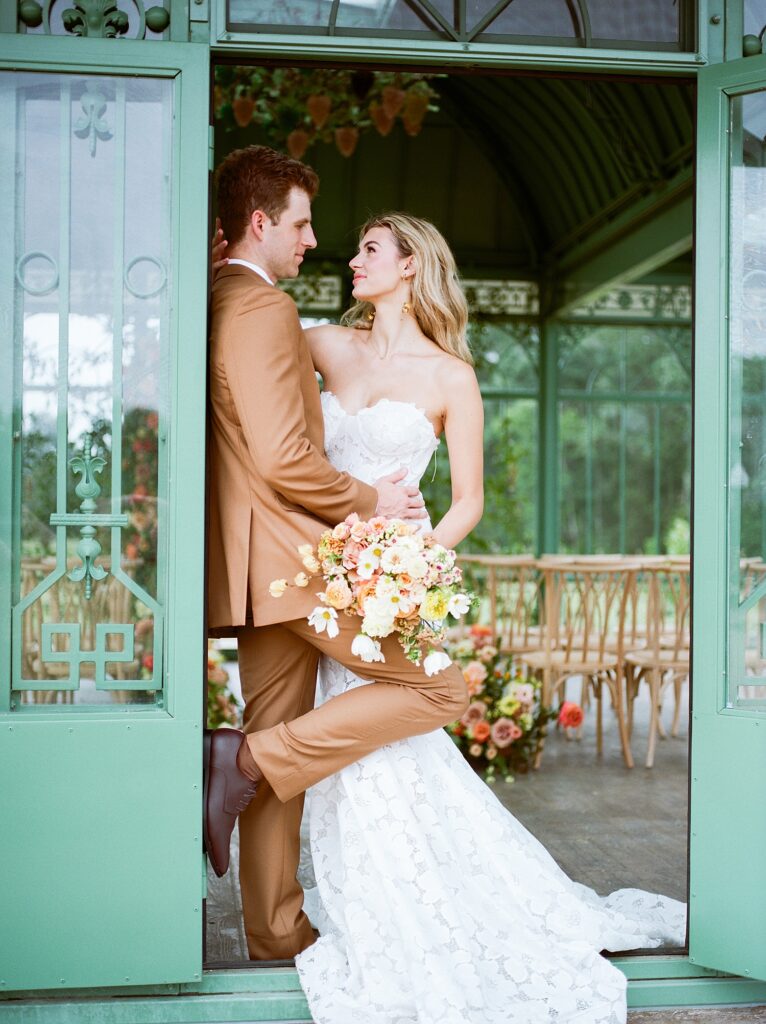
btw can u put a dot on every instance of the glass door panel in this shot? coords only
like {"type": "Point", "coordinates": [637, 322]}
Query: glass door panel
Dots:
{"type": "Point", "coordinates": [92, 280]}
{"type": "Point", "coordinates": [747, 382]}
{"type": "Point", "coordinates": [728, 832]}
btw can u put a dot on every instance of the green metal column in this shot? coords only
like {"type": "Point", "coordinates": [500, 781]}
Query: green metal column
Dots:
{"type": "Point", "coordinates": [548, 448]}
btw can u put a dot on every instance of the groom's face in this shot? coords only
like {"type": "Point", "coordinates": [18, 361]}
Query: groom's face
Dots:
{"type": "Point", "coordinates": [285, 243]}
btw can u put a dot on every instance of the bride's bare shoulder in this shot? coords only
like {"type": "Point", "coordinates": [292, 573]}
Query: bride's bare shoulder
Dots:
{"type": "Point", "coordinates": [328, 342]}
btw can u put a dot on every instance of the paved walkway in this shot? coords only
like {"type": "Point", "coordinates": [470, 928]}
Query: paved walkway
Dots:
{"type": "Point", "coordinates": [729, 1015]}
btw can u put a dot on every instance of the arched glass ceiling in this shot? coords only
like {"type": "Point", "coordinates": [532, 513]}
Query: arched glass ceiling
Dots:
{"type": "Point", "coordinates": [643, 24]}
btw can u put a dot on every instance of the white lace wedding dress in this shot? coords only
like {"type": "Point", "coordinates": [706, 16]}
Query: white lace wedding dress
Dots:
{"type": "Point", "coordinates": [434, 905]}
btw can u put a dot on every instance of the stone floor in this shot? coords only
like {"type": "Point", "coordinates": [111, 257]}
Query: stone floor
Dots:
{"type": "Point", "coordinates": [607, 826]}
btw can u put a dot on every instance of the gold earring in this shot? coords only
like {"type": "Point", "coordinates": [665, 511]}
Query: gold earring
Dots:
{"type": "Point", "coordinates": [406, 308]}
{"type": "Point", "coordinates": [370, 316]}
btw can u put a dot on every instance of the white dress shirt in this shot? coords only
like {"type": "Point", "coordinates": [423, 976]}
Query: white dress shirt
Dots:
{"type": "Point", "coordinates": [255, 267]}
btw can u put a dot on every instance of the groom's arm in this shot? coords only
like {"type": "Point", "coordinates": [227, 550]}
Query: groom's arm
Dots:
{"type": "Point", "coordinates": [261, 359]}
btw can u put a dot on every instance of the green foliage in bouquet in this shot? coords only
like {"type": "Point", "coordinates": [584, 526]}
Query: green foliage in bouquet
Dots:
{"type": "Point", "coordinates": [502, 728]}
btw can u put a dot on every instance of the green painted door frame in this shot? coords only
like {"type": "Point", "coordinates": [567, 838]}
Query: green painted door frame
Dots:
{"type": "Point", "coordinates": [103, 875]}
{"type": "Point", "coordinates": [185, 993]}
{"type": "Point", "coordinates": [728, 766]}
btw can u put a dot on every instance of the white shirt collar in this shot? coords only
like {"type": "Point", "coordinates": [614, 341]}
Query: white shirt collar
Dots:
{"type": "Point", "coordinates": [255, 267]}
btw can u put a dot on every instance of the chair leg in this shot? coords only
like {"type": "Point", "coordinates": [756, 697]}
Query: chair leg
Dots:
{"type": "Point", "coordinates": [677, 684]}
{"type": "Point", "coordinates": [617, 700]}
{"type": "Point", "coordinates": [598, 693]}
{"type": "Point", "coordinates": [630, 695]}
{"type": "Point", "coordinates": [654, 697]}
{"type": "Point", "coordinates": [545, 699]}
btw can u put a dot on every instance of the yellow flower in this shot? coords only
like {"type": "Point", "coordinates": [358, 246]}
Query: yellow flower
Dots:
{"type": "Point", "coordinates": [434, 606]}
{"type": "Point", "coordinates": [311, 563]}
{"type": "Point", "coordinates": [277, 587]}
{"type": "Point", "coordinates": [301, 580]}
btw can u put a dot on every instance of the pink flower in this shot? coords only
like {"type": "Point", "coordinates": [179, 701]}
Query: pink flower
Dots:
{"type": "Point", "coordinates": [524, 693]}
{"type": "Point", "coordinates": [359, 531]}
{"type": "Point", "coordinates": [474, 713]}
{"type": "Point", "coordinates": [486, 653]}
{"type": "Point", "coordinates": [504, 732]}
{"type": "Point", "coordinates": [378, 524]}
{"type": "Point", "coordinates": [570, 715]}
{"type": "Point", "coordinates": [341, 531]}
{"type": "Point", "coordinates": [351, 519]}
{"type": "Point", "coordinates": [474, 674]}
{"type": "Point", "coordinates": [351, 554]}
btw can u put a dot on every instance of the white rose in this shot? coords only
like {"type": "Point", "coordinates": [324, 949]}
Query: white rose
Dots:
{"type": "Point", "coordinates": [417, 567]}
{"type": "Point", "coordinates": [435, 662]}
{"type": "Point", "coordinates": [366, 648]}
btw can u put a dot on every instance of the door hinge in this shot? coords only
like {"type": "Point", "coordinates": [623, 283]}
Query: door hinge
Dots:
{"type": "Point", "coordinates": [211, 147]}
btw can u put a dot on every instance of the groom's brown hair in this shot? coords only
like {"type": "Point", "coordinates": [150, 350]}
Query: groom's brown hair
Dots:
{"type": "Point", "coordinates": [258, 178]}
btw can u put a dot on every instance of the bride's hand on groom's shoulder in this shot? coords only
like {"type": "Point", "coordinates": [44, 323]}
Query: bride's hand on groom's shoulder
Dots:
{"type": "Point", "coordinates": [217, 251]}
{"type": "Point", "coordinates": [397, 500]}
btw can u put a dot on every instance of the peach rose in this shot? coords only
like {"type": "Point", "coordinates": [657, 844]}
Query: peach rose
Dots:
{"type": "Point", "coordinates": [504, 732]}
{"type": "Point", "coordinates": [378, 524]}
{"type": "Point", "coordinates": [338, 594]}
{"type": "Point", "coordinates": [351, 519]}
{"type": "Point", "coordinates": [351, 554]}
{"type": "Point", "coordinates": [570, 715]}
{"type": "Point", "coordinates": [341, 532]}
{"type": "Point", "coordinates": [474, 713]}
{"type": "Point", "coordinates": [481, 731]}
{"type": "Point", "coordinates": [359, 531]}
{"type": "Point", "coordinates": [486, 653]}
{"type": "Point", "coordinates": [474, 674]}
{"type": "Point", "coordinates": [475, 750]}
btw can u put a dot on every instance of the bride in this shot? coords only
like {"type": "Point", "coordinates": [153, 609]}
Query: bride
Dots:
{"type": "Point", "coordinates": [434, 905]}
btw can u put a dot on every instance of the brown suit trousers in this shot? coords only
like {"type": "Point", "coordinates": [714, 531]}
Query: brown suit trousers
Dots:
{"type": "Point", "coordinates": [271, 488]}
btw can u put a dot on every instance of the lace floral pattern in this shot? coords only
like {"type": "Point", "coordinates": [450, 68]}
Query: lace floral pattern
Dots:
{"type": "Point", "coordinates": [434, 905]}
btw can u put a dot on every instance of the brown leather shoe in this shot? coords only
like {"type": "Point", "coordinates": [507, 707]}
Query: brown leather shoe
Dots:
{"type": "Point", "coordinates": [227, 793]}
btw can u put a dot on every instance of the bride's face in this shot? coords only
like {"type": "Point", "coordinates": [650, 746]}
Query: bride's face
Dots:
{"type": "Point", "coordinates": [378, 267]}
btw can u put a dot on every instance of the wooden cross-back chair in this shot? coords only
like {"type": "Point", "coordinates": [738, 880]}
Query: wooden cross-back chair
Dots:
{"type": "Point", "coordinates": [585, 612]}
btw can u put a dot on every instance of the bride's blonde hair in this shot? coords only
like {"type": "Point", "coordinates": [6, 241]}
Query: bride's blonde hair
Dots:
{"type": "Point", "coordinates": [438, 303]}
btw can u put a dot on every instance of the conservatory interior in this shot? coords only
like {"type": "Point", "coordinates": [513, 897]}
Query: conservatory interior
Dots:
{"type": "Point", "coordinates": [568, 204]}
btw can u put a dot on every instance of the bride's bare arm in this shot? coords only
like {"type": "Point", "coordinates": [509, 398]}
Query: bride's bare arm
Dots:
{"type": "Point", "coordinates": [464, 431]}
{"type": "Point", "coordinates": [324, 345]}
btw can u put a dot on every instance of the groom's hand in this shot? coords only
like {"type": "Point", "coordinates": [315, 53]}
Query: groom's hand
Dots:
{"type": "Point", "coordinates": [397, 500]}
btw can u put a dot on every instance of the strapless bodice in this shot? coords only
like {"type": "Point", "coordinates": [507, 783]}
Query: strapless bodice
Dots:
{"type": "Point", "coordinates": [378, 439]}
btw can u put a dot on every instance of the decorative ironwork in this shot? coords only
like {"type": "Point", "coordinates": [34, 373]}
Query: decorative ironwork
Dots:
{"type": "Point", "coordinates": [92, 125]}
{"type": "Point", "coordinates": [511, 298]}
{"type": "Point", "coordinates": [148, 293]}
{"type": "Point", "coordinates": [640, 302]}
{"type": "Point", "coordinates": [21, 265]}
{"type": "Point", "coordinates": [88, 489]}
{"type": "Point", "coordinates": [99, 19]}
{"type": "Point", "coordinates": [100, 656]}
{"type": "Point", "coordinates": [316, 293]}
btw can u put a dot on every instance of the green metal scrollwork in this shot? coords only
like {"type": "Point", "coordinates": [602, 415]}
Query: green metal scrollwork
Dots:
{"type": "Point", "coordinates": [99, 19]}
{"type": "Point", "coordinates": [88, 489]}
{"type": "Point", "coordinates": [92, 125]}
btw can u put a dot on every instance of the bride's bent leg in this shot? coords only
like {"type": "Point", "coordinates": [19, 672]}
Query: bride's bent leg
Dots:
{"type": "Point", "coordinates": [403, 702]}
{"type": "Point", "coordinates": [278, 675]}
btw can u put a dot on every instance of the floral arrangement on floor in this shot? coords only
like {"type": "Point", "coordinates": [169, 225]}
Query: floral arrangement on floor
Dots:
{"type": "Point", "coordinates": [392, 577]}
{"type": "Point", "coordinates": [296, 107]}
{"type": "Point", "coordinates": [222, 706]}
{"type": "Point", "coordinates": [501, 730]}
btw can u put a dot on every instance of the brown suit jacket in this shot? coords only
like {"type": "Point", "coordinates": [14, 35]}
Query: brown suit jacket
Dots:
{"type": "Point", "coordinates": [271, 486]}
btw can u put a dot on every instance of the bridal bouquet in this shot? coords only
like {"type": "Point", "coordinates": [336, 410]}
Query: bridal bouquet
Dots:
{"type": "Point", "coordinates": [503, 726]}
{"type": "Point", "coordinates": [393, 578]}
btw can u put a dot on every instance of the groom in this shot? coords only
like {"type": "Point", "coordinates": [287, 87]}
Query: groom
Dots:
{"type": "Point", "coordinates": [271, 490]}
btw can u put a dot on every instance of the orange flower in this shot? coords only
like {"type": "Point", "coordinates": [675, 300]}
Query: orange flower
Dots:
{"type": "Point", "coordinates": [570, 715]}
{"type": "Point", "coordinates": [474, 674]}
{"type": "Point", "coordinates": [481, 731]}
{"type": "Point", "coordinates": [477, 630]}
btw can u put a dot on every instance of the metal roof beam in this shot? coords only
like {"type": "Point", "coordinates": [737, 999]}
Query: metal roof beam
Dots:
{"type": "Point", "coordinates": [647, 236]}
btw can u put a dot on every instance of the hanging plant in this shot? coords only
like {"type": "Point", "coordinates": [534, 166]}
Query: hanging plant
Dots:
{"type": "Point", "coordinates": [293, 108]}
